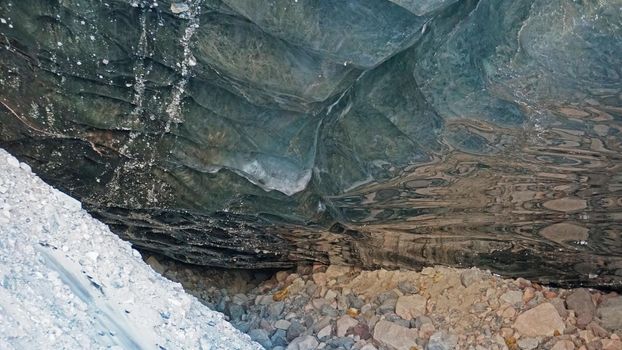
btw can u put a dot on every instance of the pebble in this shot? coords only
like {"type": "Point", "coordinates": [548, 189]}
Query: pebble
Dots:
{"type": "Point", "coordinates": [344, 323]}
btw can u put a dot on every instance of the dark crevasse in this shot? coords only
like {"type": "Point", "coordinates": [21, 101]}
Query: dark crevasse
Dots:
{"type": "Point", "coordinates": [257, 134]}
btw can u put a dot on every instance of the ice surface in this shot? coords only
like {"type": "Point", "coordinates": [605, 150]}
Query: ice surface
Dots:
{"type": "Point", "coordinates": [67, 282]}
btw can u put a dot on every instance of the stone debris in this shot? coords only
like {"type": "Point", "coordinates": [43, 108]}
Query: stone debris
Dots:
{"type": "Point", "coordinates": [439, 308]}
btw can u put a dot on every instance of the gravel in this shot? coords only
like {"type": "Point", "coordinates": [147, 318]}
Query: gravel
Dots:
{"type": "Point", "coordinates": [67, 282]}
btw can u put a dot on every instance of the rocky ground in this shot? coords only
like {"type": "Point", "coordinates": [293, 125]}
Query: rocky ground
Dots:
{"type": "Point", "coordinates": [439, 308]}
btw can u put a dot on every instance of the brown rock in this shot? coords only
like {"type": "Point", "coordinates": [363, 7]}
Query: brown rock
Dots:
{"type": "Point", "coordinates": [410, 306]}
{"type": "Point", "coordinates": [581, 302]}
{"type": "Point", "coordinates": [563, 345]}
{"type": "Point", "coordinates": [394, 337]}
{"type": "Point", "coordinates": [334, 271]}
{"type": "Point", "coordinates": [611, 344]}
{"type": "Point", "coordinates": [281, 276]}
{"type": "Point", "coordinates": [528, 294]}
{"type": "Point", "coordinates": [319, 278]}
{"type": "Point", "coordinates": [542, 320]}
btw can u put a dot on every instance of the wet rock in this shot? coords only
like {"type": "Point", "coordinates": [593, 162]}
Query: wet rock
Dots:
{"type": "Point", "coordinates": [305, 342]}
{"type": "Point", "coordinates": [581, 302]}
{"type": "Point", "coordinates": [442, 341]}
{"type": "Point", "coordinates": [393, 336]}
{"type": "Point", "coordinates": [410, 306]}
{"type": "Point", "coordinates": [543, 320]}
{"type": "Point", "coordinates": [610, 314]}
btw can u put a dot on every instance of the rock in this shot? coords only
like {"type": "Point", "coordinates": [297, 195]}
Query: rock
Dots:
{"type": "Point", "coordinates": [330, 295]}
{"type": "Point", "coordinates": [361, 330]}
{"type": "Point", "coordinates": [261, 336]}
{"type": "Point", "coordinates": [469, 277]}
{"type": "Point", "coordinates": [611, 344]}
{"type": "Point", "coordinates": [344, 323]}
{"type": "Point", "coordinates": [305, 342]}
{"type": "Point", "coordinates": [279, 338]}
{"type": "Point", "coordinates": [597, 330]}
{"type": "Point", "coordinates": [235, 311]}
{"type": "Point", "coordinates": [334, 271]}
{"type": "Point", "coordinates": [528, 294]}
{"type": "Point", "coordinates": [325, 332]}
{"type": "Point", "coordinates": [563, 345]}
{"type": "Point", "coordinates": [410, 306]}
{"type": "Point", "coordinates": [155, 265]}
{"type": "Point", "coordinates": [327, 310]}
{"type": "Point", "coordinates": [610, 314]}
{"type": "Point", "coordinates": [387, 307]}
{"type": "Point", "coordinates": [442, 341]}
{"type": "Point", "coordinates": [282, 324]}
{"type": "Point", "coordinates": [528, 343]}
{"type": "Point", "coordinates": [559, 306]}
{"type": "Point", "coordinates": [508, 313]}
{"type": "Point", "coordinates": [354, 301]}
{"type": "Point", "coordinates": [369, 347]}
{"type": "Point", "coordinates": [275, 309]}
{"type": "Point", "coordinates": [581, 302]}
{"type": "Point", "coordinates": [295, 330]}
{"type": "Point", "coordinates": [407, 287]}
{"type": "Point", "coordinates": [341, 342]}
{"type": "Point", "coordinates": [512, 297]}
{"type": "Point", "coordinates": [319, 278]}
{"type": "Point", "coordinates": [542, 320]}
{"type": "Point", "coordinates": [393, 336]}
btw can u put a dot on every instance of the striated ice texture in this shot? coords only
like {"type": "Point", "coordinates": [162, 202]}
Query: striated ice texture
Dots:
{"type": "Point", "coordinates": [391, 133]}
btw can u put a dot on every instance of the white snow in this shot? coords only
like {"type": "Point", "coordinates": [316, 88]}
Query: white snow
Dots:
{"type": "Point", "coordinates": [67, 282]}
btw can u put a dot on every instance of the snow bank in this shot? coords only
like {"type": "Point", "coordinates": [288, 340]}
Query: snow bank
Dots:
{"type": "Point", "coordinates": [67, 282]}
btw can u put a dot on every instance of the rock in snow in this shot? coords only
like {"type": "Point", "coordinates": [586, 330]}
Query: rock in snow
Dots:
{"type": "Point", "coordinates": [67, 282]}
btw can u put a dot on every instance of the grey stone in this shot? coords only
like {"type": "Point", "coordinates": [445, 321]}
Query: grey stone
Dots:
{"type": "Point", "coordinates": [527, 343]}
{"type": "Point", "coordinates": [305, 342]}
{"type": "Point", "coordinates": [407, 287]}
{"type": "Point", "coordinates": [610, 314]}
{"type": "Point", "coordinates": [282, 324]}
{"type": "Point", "coordinates": [470, 276]}
{"type": "Point", "coordinates": [442, 341]}
{"type": "Point", "coordinates": [279, 338]}
{"type": "Point", "coordinates": [276, 309]}
{"type": "Point", "coordinates": [295, 330]}
{"type": "Point", "coordinates": [512, 297]}
{"type": "Point", "coordinates": [261, 336]}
